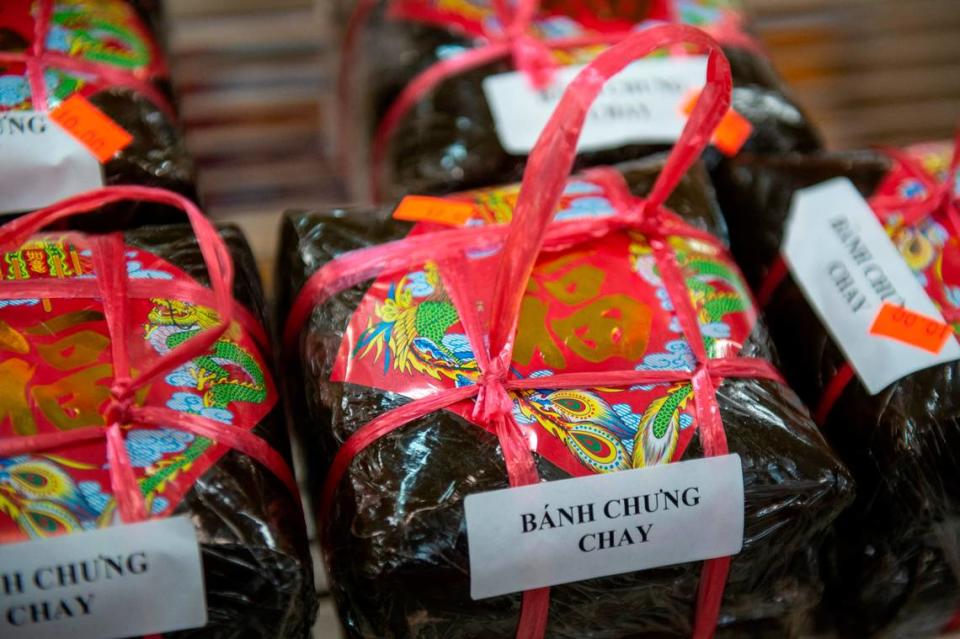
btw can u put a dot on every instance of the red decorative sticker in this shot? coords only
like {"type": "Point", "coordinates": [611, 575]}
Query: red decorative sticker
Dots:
{"type": "Point", "coordinates": [929, 247]}
{"type": "Point", "coordinates": [598, 306]}
{"type": "Point", "coordinates": [56, 367]}
{"type": "Point", "coordinates": [573, 18]}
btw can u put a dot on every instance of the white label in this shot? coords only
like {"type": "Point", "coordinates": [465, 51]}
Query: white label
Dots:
{"type": "Point", "coordinates": [563, 531]}
{"type": "Point", "coordinates": [848, 267]}
{"type": "Point", "coordinates": [642, 103]}
{"type": "Point", "coordinates": [121, 581]}
{"type": "Point", "coordinates": [41, 163]}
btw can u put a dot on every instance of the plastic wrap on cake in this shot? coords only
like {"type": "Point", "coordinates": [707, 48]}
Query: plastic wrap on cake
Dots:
{"type": "Point", "coordinates": [395, 540]}
{"type": "Point", "coordinates": [891, 568]}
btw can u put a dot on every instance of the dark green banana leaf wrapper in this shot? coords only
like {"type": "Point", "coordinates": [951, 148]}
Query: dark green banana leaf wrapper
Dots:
{"type": "Point", "coordinates": [891, 566]}
{"type": "Point", "coordinates": [395, 542]}
{"type": "Point", "coordinates": [448, 141]}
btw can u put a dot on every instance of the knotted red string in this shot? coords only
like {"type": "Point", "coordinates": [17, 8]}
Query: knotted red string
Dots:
{"type": "Point", "coordinates": [112, 286]}
{"type": "Point", "coordinates": [521, 243]}
{"type": "Point", "coordinates": [511, 37]}
{"type": "Point", "coordinates": [936, 196]}
{"type": "Point", "coordinates": [37, 59]}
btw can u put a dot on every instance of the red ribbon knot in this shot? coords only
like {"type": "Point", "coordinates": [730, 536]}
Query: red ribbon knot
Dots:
{"type": "Point", "coordinates": [647, 218]}
{"type": "Point", "coordinates": [119, 411]}
{"type": "Point", "coordinates": [943, 198]}
{"type": "Point", "coordinates": [492, 401]}
{"type": "Point", "coordinates": [120, 407]}
{"type": "Point", "coordinates": [531, 57]}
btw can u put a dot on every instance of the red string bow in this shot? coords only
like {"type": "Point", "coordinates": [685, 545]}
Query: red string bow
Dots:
{"type": "Point", "coordinates": [521, 243]}
{"type": "Point", "coordinates": [112, 286]}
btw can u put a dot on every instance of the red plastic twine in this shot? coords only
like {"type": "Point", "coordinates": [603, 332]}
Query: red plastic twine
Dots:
{"type": "Point", "coordinates": [530, 55]}
{"type": "Point", "coordinates": [37, 58]}
{"type": "Point", "coordinates": [938, 196]}
{"type": "Point", "coordinates": [521, 243]}
{"type": "Point", "coordinates": [112, 286]}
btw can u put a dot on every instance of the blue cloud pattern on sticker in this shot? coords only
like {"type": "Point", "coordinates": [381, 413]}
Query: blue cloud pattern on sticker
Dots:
{"type": "Point", "coordinates": [417, 284]}
{"type": "Point", "coordinates": [147, 447]}
{"type": "Point", "coordinates": [191, 403]}
{"type": "Point", "coordinates": [586, 207]}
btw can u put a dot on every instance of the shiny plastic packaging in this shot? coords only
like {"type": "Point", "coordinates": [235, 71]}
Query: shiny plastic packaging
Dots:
{"type": "Point", "coordinates": [101, 51]}
{"type": "Point", "coordinates": [412, 579]}
{"type": "Point", "coordinates": [417, 111]}
{"type": "Point", "coordinates": [891, 570]}
{"type": "Point", "coordinates": [61, 349]}
{"type": "Point", "coordinates": [760, 188]}
{"type": "Point", "coordinates": [599, 331]}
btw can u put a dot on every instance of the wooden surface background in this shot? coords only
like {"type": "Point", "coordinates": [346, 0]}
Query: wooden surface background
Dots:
{"type": "Point", "coordinates": [255, 80]}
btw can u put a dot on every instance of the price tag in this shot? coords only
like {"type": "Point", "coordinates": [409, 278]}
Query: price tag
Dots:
{"type": "Point", "coordinates": [732, 133]}
{"type": "Point", "coordinates": [912, 328]}
{"type": "Point", "coordinates": [91, 127]}
{"type": "Point", "coordinates": [420, 208]}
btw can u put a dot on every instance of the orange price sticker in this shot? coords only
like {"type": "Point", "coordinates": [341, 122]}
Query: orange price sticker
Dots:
{"type": "Point", "coordinates": [733, 131]}
{"type": "Point", "coordinates": [911, 328]}
{"type": "Point", "coordinates": [420, 208]}
{"type": "Point", "coordinates": [91, 127]}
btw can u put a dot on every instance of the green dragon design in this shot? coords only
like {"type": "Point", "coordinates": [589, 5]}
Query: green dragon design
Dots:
{"type": "Point", "coordinates": [659, 430]}
{"type": "Point", "coordinates": [410, 331]}
{"type": "Point", "coordinates": [100, 39]}
{"type": "Point", "coordinates": [171, 323]}
{"type": "Point", "coordinates": [221, 388]}
{"type": "Point", "coordinates": [168, 470]}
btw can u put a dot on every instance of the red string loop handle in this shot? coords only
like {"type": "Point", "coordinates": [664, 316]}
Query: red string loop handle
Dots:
{"type": "Point", "coordinates": [521, 243]}
{"type": "Point", "coordinates": [530, 55]}
{"type": "Point", "coordinates": [551, 160]}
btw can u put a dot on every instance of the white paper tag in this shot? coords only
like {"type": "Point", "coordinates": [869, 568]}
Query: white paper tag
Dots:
{"type": "Point", "coordinates": [41, 163]}
{"type": "Point", "coordinates": [848, 267]}
{"type": "Point", "coordinates": [122, 581]}
{"type": "Point", "coordinates": [642, 103]}
{"type": "Point", "coordinates": [563, 531]}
